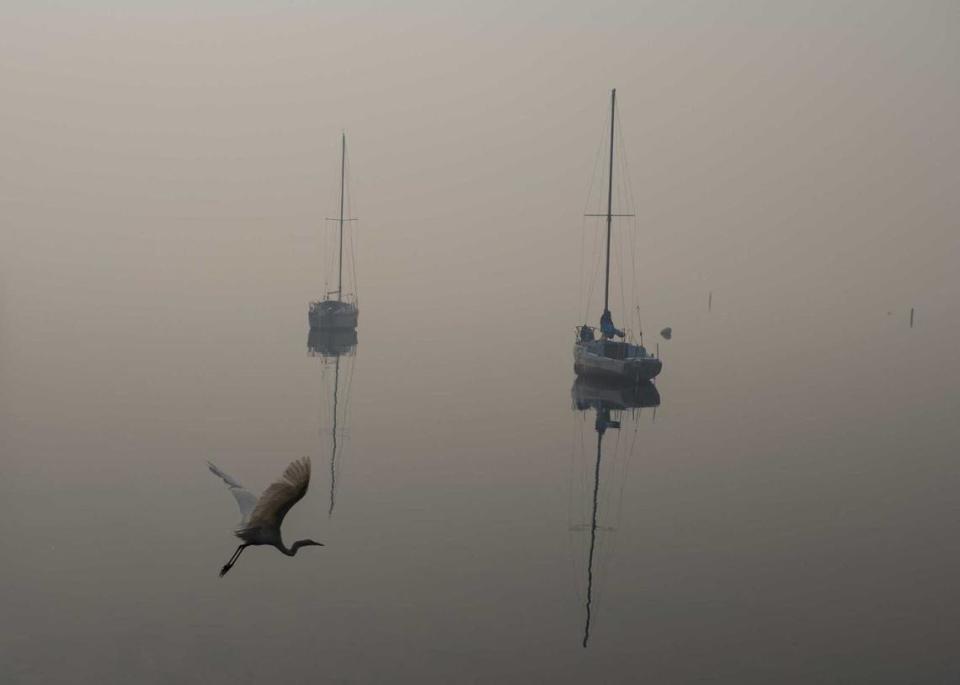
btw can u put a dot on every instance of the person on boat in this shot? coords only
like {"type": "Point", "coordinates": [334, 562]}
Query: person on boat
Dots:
{"type": "Point", "coordinates": [607, 327]}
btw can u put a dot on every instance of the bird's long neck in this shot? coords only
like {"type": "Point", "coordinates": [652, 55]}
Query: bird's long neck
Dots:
{"type": "Point", "coordinates": [290, 551]}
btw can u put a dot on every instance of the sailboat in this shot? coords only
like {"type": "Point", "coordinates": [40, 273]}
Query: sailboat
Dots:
{"type": "Point", "coordinates": [603, 356]}
{"type": "Point", "coordinates": [340, 311]}
{"type": "Point", "coordinates": [609, 403]}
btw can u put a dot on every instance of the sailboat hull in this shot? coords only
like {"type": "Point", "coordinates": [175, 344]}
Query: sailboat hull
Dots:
{"type": "Point", "coordinates": [635, 366]}
{"type": "Point", "coordinates": [332, 314]}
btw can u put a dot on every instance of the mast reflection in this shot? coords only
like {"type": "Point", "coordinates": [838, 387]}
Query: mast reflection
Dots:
{"type": "Point", "coordinates": [613, 405]}
{"type": "Point", "coordinates": [336, 348]}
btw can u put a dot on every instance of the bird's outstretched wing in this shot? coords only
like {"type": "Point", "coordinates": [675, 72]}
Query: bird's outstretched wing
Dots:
{"type": "Point", "coordinates": [245, 499]}
{"type": "Point", "coordinates": [277, 500]}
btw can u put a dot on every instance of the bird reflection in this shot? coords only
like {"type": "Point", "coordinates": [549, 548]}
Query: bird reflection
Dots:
{"type": "Point", "coordinates": [261, 517]}
{"type": "Point", "coordinates": [610, 403]}
{"type": "Point", "coordinates": [334, 347]}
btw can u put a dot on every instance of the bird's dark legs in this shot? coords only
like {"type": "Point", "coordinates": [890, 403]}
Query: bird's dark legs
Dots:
{"type": "Point", "coordinates": [233, 560]}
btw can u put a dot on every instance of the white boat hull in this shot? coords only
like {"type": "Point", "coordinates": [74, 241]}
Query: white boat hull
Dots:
{"type": "Point", "coordinates": [589, 363]}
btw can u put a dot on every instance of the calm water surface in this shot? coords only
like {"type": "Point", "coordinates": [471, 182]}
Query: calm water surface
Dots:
{"type": "Point", "coordinates": [788, 513]}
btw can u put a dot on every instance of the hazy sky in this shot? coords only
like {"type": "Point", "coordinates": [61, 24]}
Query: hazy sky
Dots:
{"type": "Point", "coordinates": [812, 149]}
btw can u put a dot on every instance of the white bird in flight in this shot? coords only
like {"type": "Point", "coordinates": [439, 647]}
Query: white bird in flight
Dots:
{"type": "Point", "coordinates": [262, 516]}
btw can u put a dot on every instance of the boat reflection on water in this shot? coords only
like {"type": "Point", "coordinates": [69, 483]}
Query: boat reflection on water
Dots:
{"type": "Point", "coordinates": [331, 343]}
{"type": "Point", "coordinates": [615, 408]}
{"type": "Point", "coordinates": [606, 397]}
{"type": "Point", "coordinates": [337, 349]}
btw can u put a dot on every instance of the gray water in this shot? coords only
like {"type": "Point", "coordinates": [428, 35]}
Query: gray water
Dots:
{"type": "Point", "coordinates": [788, 513]}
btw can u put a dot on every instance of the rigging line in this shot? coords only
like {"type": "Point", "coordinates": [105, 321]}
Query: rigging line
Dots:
{"type": "Point", "coordinates": [600, 244]}
{"type": "Point", "coordinates": [354, 237]}
{"type": "Point", "coordinates": [583, 256]}
{"type": "Point", "coordinates": [626, 467]}
{"type": "Point", "coordinates": [619, 460]}
{"type": "Point", "coordinates": [330, 234]}
{"type": "Point", "coordinates": [589, 273]}
{"type": "Point", "coordinates": [330, 245]}
{"type": "Point", "coordinates": [634, 250]}
{"type": "Point", "coordinates": [623, 198]}
{"type": "Point", "coordinates": [353, 264]}
{"type": "Point", "coordinates": [626, 172]}
{"type": "Point", "coordinates": [634, 253]}
{"type": "Point", "coordinates": [616, 447]}
{"type": "Point", "coordinates": [618, 243]}
{"type": "Point", "coordinates": [322, 256]}
{"type": "Point", "coordinates": [577, 463]}
{"type": "Point", "coordinates": [583, 218]}
{"type": "Point", "coordinates": [327, 258]}
{"type": "Point", "coordinates": [622, 270]}
{"type": "Point", "coordinates": [593, 273]}
{"type": "Point", "coordinates": [348, 209]}
{"type": "Point", "coordinates": [623, 192]}
{"type": "Point", "coordinates": [617, 265]}
{"type": "Point", "coordinates": [343, 169]}
{"type": "Point", "coordinates": [590, 279]}
{"type": "Point", "coordinates": [634, 207]}
{"type": "Point", "coordinates": [347, 394]}
{"type": "Point", "coordinates": [340, 419]}
{"type": "Point", "coordinates": [573, 444]}
{"type": "Point", "coordinates": [595, 172]}
{"type": "Point", "coordinates": [570, 462]}
{"type": "Point", "coordinates": [583, 447]}
{"type": "Point", "coordinates": [350, 281]}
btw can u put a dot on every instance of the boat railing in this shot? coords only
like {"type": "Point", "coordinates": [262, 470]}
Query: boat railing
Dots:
{"type": "Point", "coordinates": [346, 299]}
{"type": "Point", "coordinates": [585, 333]}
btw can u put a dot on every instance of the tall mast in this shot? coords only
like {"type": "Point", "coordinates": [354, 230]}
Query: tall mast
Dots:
{"type": "Point", "coordinates": [343, 164]}
{"type": "Point", "coordinates": [606, 282]}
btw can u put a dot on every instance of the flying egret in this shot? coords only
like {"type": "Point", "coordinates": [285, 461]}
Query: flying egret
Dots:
{"type": "Point", "coordinates": [262, 516]}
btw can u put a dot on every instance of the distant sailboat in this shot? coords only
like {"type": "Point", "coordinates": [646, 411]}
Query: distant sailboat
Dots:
{"type": "Point", "coordinates": [341, 311]}
{"type": "Point", "coordinates": [605, 357]}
